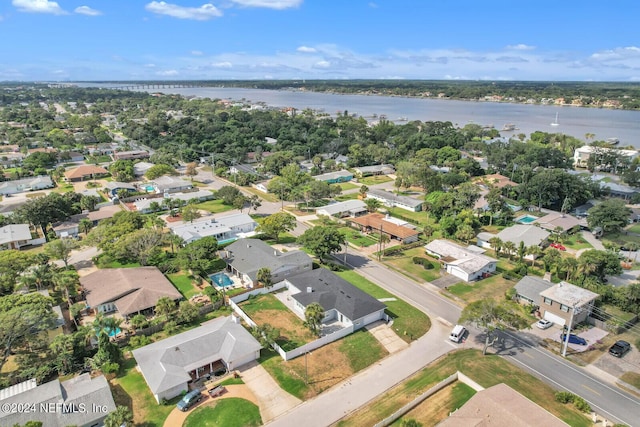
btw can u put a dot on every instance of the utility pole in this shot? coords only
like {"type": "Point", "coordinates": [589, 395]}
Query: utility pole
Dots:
{"type": "Point", "coordinates": [568, 333]}
{"type": "Point", "coordinates": [380, 243]}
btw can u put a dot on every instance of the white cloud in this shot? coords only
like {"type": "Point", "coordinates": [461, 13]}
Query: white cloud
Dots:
{"type": "Point", "coordinates": [224, 64]}
{"type": "Point", "coordinates": [306, 49]}
{"type": "Point", "coordinates": [269, 4]}
{"type": "Point", "coordinates": [150, 65]}
{"type": "Point", "coordinates": [39, 6]}
{"type": "Point", "coordinates": [167, 73]}
{"type": "Point", "coordinates": [520, 46]}
{"type": "Point", "coordinates": [86, 10]}
{"type": "Point", "coordinates": [202, 13]}
{"type": "Point", "coordinates": [322, 64]}
{"type": "Point", "coordinates": [197, 53]}
{"type": "Point", "coordinates": [617, 54]}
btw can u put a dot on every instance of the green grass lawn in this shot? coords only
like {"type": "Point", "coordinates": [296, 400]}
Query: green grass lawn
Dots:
{"type": "Point", "coordinates": [229, 412]}
{"type": "Point", "coordinates": [362, 349]}
{"type": "Point", "coordinates": [374, 179]}
{"type": "Point", "coordinates": [460, 394]}
{"type": "Point", "coordinates": [64, 188]}
{"type": "Point", "coordinates": [408, 322]}
{"type": "Point", "coordinates": [214, 206]}
{"type": "Point", "coordinates": [577, 242]}
{"type": "Point", "coordinates": [417, 217]}
{"type": "Point", "coordinates": [403, 262]}
{"type": "Point", "coordinates": [493, 287]}
{"type": "Point", "coordinates": [486, 370]}
{"type": "Point", "coordinates": [266, 196]}
{"type": "Point", "coordinates": [635, 228]}
{"type": "Point", "coordinates": [183, 283]}
{"type": "Point", "coordinates": [343, 197]}
{"type": "Point", "coordinates": [357, 238]}
{"type": "Point", "coordinates": [348, 185]}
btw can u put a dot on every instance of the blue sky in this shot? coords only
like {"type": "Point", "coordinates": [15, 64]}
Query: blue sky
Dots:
{"type": "Point", "coordinates": [319, 39]}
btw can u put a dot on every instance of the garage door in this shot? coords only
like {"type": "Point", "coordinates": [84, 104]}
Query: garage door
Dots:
{"type": "Point", "coordinates": [554, 318]}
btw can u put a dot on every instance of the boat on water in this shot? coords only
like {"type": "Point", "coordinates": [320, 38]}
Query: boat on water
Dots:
{"type": "Point", "coordinates": [402, 119]}
{"type": "Point", "coordinates": [612, 141]}
{"type": "Point", "coordinates": [508, 127]}
{"type": "Point", "coordinates": [555, 123]}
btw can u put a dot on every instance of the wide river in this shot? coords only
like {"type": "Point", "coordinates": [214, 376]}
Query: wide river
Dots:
{"type": "Point", "coordinates": [574, 121]}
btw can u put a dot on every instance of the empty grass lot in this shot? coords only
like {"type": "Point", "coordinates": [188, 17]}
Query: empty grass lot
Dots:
{"type": "Point", "coordinates": [486, 370]}
{"type": "Point", "coordinates": [229, 412]}
{"type": "Point", "coordinates": [408, 322]}
{"type": "Point", "coordinates": [373, 180]}
{"type": "Point", "coordinates": [403, 262]}
{"type": "Point", "coordinates": [493, 287]}
{"type": "Point", "coordinates": [184, 284]}
{"type": "Point", "coordinates": [214, 206]}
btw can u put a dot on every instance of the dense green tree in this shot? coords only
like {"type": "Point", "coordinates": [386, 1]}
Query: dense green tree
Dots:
{"type": "Point", "coordinates": [187, 312]}
{"type": "Point", "coordinates": [12, 264]}
{"type": "Point", "coordinates": [322, 241]}
{"type": "Point", "coordinates": [159, 170]}
{"type": "Point", "coordinates": [61, 249]}
{"type": "Point", "coordinates": [122, 170]}
{"type": "Point", "coordinates": [276, 224]}
{"type": "Point", "coordinates": [313, 314]}
{"type": "Point", "coordinates": [599, 264]}
{"type": "Point", "coordinates": [228, 194]}
{"type": "Point", "coordinates": [264, 277]}
{"type": "Point", "coordinates": [198, 256]}
{"type": "Point", "coordinates": [190, 213]}
{"type": "Point", "coordinates": [121, 417]}
{"type": "Point", "coordinates": [612, 215]}
{"type": "Point", "coordinates": [49, 209]}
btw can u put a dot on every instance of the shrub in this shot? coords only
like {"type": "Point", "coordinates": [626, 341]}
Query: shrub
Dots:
{"type": "Point", "coordinates": [139, 341]}
{"type": "Point", "coordinates": [581, 404]}
{"type": "Point", "coordinates": [428, 265]}
{"type": "Point", "coordinates": [564, 397]}
{"type": "Point", "coordinates": [418, 260]}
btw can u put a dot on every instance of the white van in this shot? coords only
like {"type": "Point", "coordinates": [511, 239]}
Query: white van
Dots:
{"type": "Point", "coordinates": [458, 333]}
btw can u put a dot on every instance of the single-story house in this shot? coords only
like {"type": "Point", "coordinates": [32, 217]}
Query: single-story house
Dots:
{"type": "Point", "coordinates": [340, 300]}
{"type": "Point", "coordinates": [85, 172]}
{"type": "Point", "coordinates": [581, 211]}
{"type": "Point", "coordinates": [224, 228]}
{"type": "Point", "coordinates": [348, 208]}
{"type": "Point", "coordinates": [243, 168]}
{"type": "Point", "coordinates": [15, 236]}
{"type": "Point", "coordinates": [114, 186]}
{"type": "Point", "coordinates": [131, 155]}
{"type": "Point", "coordinates": [501, 406]}
{"type": "Point", "coordinates": [556, 219]}
{"type": "Point", "coordinates": [261, 186]}
{"type": "Point", "coordinates": [379, 223]}
{"type": "Point", "coordinates": [531, 235]}
{"type": "Point", "coordinates": [440, 169]}
{"type": "Point", "coordinates": [170, 184]}
{"type": "Point", "coordinates": [465, 263]}
{"type": "Point", "coordinates": [26, 184]}
{"type": "Point", "coordinates": [245, 257]}
{"type": "Point", "coordinates": [563, 300]}
{"type": "Point", "coordinates": [70, 227]}
{"type": "Point", "coordinates": [71, 156]}
{"type": "Point", "coordinates": [169, 365]}
{"type": "Point", "coordinates": [199, 195]}
{"type": "Point", "coordinates": [104, 212]}
{"type": "Point", "coordinates": [335, 177]}
{"type": "Point", "coordinates": [621, 191]}
{"type": "Point", "coordinates": [392, 200]}
{"type": "Point", "coordinates": [528, 289]}
{"type": "Point", "coordinates": [140, 168]}
{"type": "Point", "coordinates": [126, 290]}
{"type": "Point", "coordinates": [374, 170]}
{"type": "Point", "coordinates": [496, 180]}
{"type": "Point", "coordinates": [80, 396]}
{"type": "Point", "coordinates": [582, 154]}
{"type": "Point", "coordinates": [11, 159]}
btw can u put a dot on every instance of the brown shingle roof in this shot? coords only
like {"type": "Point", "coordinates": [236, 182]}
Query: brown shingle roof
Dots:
{"type": "Point", "coordinates": [376, 221]}
{"type": "Point", "coordinates": [85, 170]}
{"type": "Point", "coordinates": [130, 289]}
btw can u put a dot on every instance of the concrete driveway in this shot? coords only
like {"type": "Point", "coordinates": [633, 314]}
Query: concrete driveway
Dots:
{"type": "Point", "coordinates": [385, 335]}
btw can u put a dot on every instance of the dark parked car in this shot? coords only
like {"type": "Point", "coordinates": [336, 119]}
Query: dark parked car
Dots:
{"type": "Point", "coordinates": [189, 399]}
{"type": "Point", "coordinates": [620, 348]}
{"type": "Point", "coordinates": [573, 339]}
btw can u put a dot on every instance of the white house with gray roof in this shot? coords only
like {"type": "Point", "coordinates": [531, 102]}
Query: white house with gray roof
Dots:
{"type": "Point", "coordinates": [81, 401]}
{"type": "Point", "coordinates": [15, 236]}
{"type": "Point", "coordinates": [531, 235]}
{"type": "Point", "coordinates": [393, 200]}
{"type": "Point", "coordinates": [350, 208]}
{"type": "Point", "coordinates": [468, 263]}
{"type": "Point", "coordinates": [26, 184]}
{"type": "Point", "coordinates": [340, 300]}
{"type": "Point", "coordinates": [169, 365]}
{"type": "Point", "coordinates": [223, 228]}
{"type": "Point", "coordinates": [170, 184]}
{"type": "Point", "coordinates": [528, 289]}
{"type": "Point", "coordinates": [245, 257]}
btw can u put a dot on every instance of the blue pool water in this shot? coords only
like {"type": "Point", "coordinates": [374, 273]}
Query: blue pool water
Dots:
{"type": "Point", "coordinates": [149, 188]}
{"type": "Point", "coordinates": [526, 219]}
{"type": "Point", "coordinates": [221, 280]}
{"type": "Point", "coordinates": [115, 332]}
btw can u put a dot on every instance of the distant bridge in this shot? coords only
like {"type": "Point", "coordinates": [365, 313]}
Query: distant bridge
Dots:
{"type": "Point", "coordinates": [141, 86]}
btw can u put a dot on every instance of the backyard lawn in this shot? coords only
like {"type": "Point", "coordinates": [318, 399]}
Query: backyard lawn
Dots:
{"type": "Point", "coordinates": [214, 206]}
{"type": "Point", "coordinates": [348, 185]}
{"type": "Point", "coordinates": [373, 180]}
{"type": "Point", "coordinates": [408, 322]}
{"type": "Point", "coordinates": [184, 284]}
{"type": "Point", "coordinates": [229, 412]}
{"type": "Point", "coordinates": [493, 287]}
{"type": "Point", "coordinates": [486, 370]}
{"type": "Point", "coordinates": [403, 262]}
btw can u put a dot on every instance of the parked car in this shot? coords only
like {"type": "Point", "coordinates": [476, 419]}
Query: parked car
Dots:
{"type": "Point", "coordinates": [573, 339]}
{"type": "Point", "coordinates": [189, 399]}
{"type": "Point", "coordinates": [620, 348]}
{"type": "Point", "coordinates": [216, 391]}
{"type": "Point", "coordinates": [558, 246]}
{"type": "Point", "coordinates": [544, 324]}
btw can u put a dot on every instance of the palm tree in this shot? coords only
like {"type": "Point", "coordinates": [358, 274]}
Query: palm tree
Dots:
{"type": "Point", "coordinates": [121, 417]}
{"type": "Point", "coordinates": [85, 225]}
{"type": "Point", "coordinates": [535, 251]}
{"type": "Point", "coordinates": [522, 251]}
{"type": "Point", "coordinates": [569, 266]}
{"type": "Point", "coordinates": [314, 313]}
{"type": "Point", "coordinates": [496, 244]}
{"type": "Point", "coordinates": [509, 248]}
{"type": "Point", "coordinates": [264, 276]}
{"type": "Point", "coordinates": [363, 192]}
{"type": "Point", "coordinates": [384, 239]}
{"type": "Point", "coordinates": [372, 204]}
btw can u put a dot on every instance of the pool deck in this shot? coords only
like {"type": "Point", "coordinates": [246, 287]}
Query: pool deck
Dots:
{"type": "Point", "coordinates": [235, 281]}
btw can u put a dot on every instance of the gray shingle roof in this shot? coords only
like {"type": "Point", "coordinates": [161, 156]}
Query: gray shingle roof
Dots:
{"type": "Point", "coordinates": [333, 292]}
{"type": "Point", "coordinates": [166, 364]}
{"type": "Point", "coordinates": [249, 255]}
{"type": "Point", "coordinates": [529, 234]}
{"type": "Point", "coordinates": [393, 198]}
{"type": "Point", "coordinates": [531, 286]}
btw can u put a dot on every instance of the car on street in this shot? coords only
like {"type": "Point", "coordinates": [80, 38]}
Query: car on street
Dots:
{"type": "Point", "coordinates": [573, 339]}
{"type": "Point", "coordinates": [620, 348]}
{"type": "Point", "coordinates": [189, 399]}
{"type": "Point", "coordinates": [544, 324]}
{"type": "Point", "coordinates": [558, 246]}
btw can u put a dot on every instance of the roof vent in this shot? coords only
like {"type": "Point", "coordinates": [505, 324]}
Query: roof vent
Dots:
{"type": "Point", "coordinates": [309, 289]}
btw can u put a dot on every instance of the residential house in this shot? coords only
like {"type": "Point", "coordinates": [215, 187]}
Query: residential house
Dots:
{"type": "Point", "coordinates": [131, 155]}
{"type": "Point", "coordinates": [620, 191]}
{"type": "Point", "coordinates": [224, 228]}
{"type": "Point", "coordinates": [85, 172]}
{"type": "Point", "coordinates": [58, 325]}
{"type": "Point", "coordinates": [81, 401]}
{"type": "Point", "coordinates": [71, 156]}
{"type": "Point", "coordinates": [334, 177]}
{"type": "Point", "coordinates": [26, 184]}
{"type": "Point", "coordinates": [270, 141]}
{"type": "Point", "coordinates": [581, 211]}
{"type": "Point", "coordinates": [562, 301]}
{"type": "Point", "coordinates": [126, 290]}
{"type": "Point", "coordinates": [362, 171]}
{"type": "Point", "coordinates": [243, 168]}
{"type": "Point", "coordinates": [528, 289]}
{"type": "Point", "coordinates": [466, 263]}
{"type": "Point", "coordinates": [10, 159]}
{"type": "Point", "coordinates": [140, 168]}
{"type": "Point", "coordinates": [348, 208]}
{"type": "Point", "coordinates": [104, 212]}
{"type": "Point", "coordinates": [559, 221]}
{"type": "Point", "coordinates": [170, 365]}
{"type": "Point", "coordinates": [340, 300]}
{"type": "Point", "coordinates": [245, 257]}
{"type": "Point", "coordinates": [501, 406]}
{"type": "Point", "coordinates": [530, 235]}
{"type": "Point", "coordinates": [392, 227]}
{"type": "Point", "coordinates": [114, 186]}
{"type": "Point", "coordinates": [70, 227]}
{"type": "Point", "coordinates": [15, 236]}
{"type": "Point", "coordinates": [495, 180]}
{"type": "Point", "coordinates": [393, 200]}
{"type": "Point", "coordinates": [199, 195]}
{"type": "Point", "coordinates": [170, 184]}
{"type": "Point", "coordinates": [582, 154]}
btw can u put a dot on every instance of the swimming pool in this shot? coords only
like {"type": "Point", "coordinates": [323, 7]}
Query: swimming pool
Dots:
{"type": "Point", "coordinates": [526, 219]}
{"type": "Point", "coordinates": [114, 332]}
{"type": "Point", "coordinates": [149, 188]}
{"type": "Point", "coordinates": [221, 280]}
